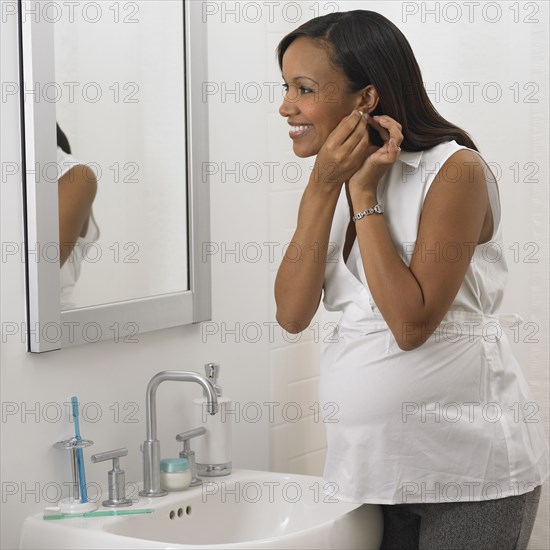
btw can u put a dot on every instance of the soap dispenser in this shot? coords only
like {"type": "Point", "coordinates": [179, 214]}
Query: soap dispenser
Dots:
{"type": "Point", "coordinates": [213, 449]}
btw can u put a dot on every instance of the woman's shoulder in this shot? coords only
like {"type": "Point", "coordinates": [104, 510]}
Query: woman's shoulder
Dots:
{"type": "Point", "coordinates": [433, 155]}
{"type": "Point", "coordinates": [443, 149]}
{"type": "Point", "coordinates": [452, 153]}
{"type": "Point", "coordinates": [426, 163]}
{"type": "Point", "coordinates": [65, 162]}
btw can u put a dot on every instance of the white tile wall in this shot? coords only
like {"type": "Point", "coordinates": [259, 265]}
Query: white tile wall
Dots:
{"type": "Point", "coordinates": [273, 370]}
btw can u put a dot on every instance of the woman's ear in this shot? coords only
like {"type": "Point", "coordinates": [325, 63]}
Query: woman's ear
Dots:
{"type": "Point", "coordinates": [369, 99]}
{"type": "Point", "coordinates": [368, 103]}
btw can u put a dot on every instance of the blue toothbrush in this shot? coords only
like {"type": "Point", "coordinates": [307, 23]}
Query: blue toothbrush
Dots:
{"type": "Point", "coordinates": [79, 453]}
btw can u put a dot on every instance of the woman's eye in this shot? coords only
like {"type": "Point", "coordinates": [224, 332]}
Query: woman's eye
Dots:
{"type": "Point", "coordinates": [302, 89]}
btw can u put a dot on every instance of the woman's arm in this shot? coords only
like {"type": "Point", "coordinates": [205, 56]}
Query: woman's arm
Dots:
{"type": "Point", "coordinates": [413, 300]}
{"type": "Point", "coordinates": [76, 191]}
{"type": "Point", "coordinates": [301, 274]}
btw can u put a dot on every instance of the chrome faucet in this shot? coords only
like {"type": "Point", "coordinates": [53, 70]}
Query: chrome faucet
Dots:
{"type": "Point", "coordinates": [151, 447]}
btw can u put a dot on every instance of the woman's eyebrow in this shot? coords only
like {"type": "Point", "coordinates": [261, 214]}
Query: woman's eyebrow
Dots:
{"type": "Point", "coordinates": [301, 77]}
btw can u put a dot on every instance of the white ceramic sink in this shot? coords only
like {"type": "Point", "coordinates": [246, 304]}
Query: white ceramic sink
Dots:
{"type": "Point", "coordinates": [247, 509]}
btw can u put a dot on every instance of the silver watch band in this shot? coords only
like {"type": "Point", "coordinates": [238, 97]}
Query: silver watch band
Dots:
{"type": "Point", "coordinates": [376, 209]}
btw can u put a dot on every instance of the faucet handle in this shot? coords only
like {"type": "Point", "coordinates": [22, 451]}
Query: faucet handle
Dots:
{"type": "Point", "coordinates": [108, 455]}
{"type": "Point", "coordinates": [116, 478]}
{"type": "Point", "coordinates": [189, 454]}
{"type": "Point", "coordinates": [189, 434]}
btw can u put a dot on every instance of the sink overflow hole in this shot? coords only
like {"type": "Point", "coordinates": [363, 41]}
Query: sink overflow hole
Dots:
{"type": "Point", "coordinates": [172, 514]}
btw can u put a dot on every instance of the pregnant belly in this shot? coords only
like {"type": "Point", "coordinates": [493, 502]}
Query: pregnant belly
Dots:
{"type": "Point", "coordinates": [368, 378]}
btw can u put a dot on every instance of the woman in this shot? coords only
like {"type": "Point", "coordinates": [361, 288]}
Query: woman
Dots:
{"type": "Point", "coordinates": [398, 228]}
{"type": "Point", "coordinates": [77, 188]}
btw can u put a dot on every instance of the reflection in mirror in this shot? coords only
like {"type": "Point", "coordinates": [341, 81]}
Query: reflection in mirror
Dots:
{"type": "Point", "coordinates": [77, 187]}
{"type": "Point", "coordinates": [122, 109]}
{"type": "Point", "coordinates": [127, 81]}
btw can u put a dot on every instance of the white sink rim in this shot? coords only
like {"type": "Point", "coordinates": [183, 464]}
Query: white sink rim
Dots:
{"type": "Point", "coordinates": [184, 498]}
{"type": "Point", "coordinates": [103, 532]}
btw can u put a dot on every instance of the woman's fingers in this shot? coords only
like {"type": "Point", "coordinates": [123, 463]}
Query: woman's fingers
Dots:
{"type": "Point", "coordinates": [361, 142]}
{"type": "Point", "coordinates": [390, 127]}
{"type": "Point", "coordinates": [384, 134]}
{"type": "Point", "coordinates": [393, 145]}
{"type": "Point", "coordinates": [346, 127]}
{"type": "Point", "coordinates": [348, 137]}
{"type": "Point", "coordinates": [349, 145]}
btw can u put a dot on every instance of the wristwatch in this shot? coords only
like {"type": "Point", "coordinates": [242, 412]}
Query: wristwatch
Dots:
{"type": "Point", "coordinates": [376, 209]}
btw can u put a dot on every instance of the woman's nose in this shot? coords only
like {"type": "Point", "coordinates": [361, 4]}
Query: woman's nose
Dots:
{"type": "Point", "coordinates": [287, 107]}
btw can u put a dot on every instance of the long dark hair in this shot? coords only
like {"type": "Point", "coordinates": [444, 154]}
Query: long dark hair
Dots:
{"type": "Point", "coordinates": [62, 140]}
{"type": "Point", "coordinates": [370, 49]}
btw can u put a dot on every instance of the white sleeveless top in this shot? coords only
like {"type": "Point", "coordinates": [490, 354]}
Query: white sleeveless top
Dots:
{"type": "Point", "coordinates": [453, 420]}
{"type": "Point", "coordinates": [70, 270]}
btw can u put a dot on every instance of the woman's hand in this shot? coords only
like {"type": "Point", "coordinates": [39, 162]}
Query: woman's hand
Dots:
{"type": "Point", "coordinates": [343, 152]}
{"type": "Point", "coordinates": [379, 159]}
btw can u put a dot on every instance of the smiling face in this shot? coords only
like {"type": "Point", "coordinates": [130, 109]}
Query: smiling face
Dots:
{"type": "Point", "coordinates": [316, 98]}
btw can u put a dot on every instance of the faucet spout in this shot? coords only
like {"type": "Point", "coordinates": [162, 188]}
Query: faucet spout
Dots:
{"type": "Point", "coordinates": [151, 446]}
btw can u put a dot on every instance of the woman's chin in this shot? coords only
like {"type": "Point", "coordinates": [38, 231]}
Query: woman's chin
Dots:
{"type": "Point", "coordinates": [304, 152]}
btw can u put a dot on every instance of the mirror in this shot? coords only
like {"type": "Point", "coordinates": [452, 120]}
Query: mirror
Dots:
{"type": "Point", "coordinates": [123, 81]}
{"type": "Point", "coordinates": [121, 88]}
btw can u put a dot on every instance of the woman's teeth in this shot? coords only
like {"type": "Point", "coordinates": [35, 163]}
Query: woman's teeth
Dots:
{"type": "Point", "coordinates": [298, 130]}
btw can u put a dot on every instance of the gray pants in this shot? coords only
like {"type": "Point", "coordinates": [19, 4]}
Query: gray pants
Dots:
{"type": "Point", "coordinates": [499, 524]}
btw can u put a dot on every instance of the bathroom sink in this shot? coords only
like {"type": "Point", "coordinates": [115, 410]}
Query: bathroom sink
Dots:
{"type": "Point", "coordinates": [246, 509]}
